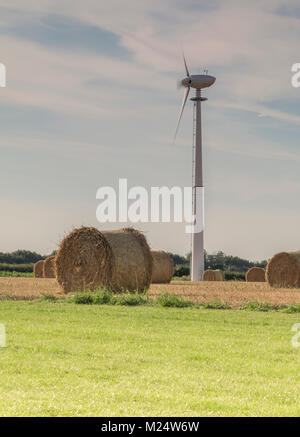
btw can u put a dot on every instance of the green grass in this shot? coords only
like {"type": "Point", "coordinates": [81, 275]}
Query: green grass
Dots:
{"type": "Point", "coordinates": [260, 306]}
{"type": "Point", "coordinates": [107, 297]}
{"type": "Point", "coordinates": [16, 268]}
{"type": "Point", "coordinates": [64, 359]}
{"type": "Point", "coordinates": [14, 274]}
{"type": "Point", "coordinates": [171, 300]}
{"type": "Point", "coordinates": [216, 305]}
{"type": "Point", "coordinates": [291, 309]}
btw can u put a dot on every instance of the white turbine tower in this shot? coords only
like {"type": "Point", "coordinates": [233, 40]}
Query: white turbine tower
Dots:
{"type": "Point", "coordinates": [198, 82]}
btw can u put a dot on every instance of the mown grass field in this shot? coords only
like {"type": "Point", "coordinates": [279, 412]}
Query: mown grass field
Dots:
{"type": "Point", "coordinates": [64, 359]}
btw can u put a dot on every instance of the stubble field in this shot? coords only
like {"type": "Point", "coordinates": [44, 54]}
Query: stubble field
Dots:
{"type": "Point", "coordinates": [234, 294]}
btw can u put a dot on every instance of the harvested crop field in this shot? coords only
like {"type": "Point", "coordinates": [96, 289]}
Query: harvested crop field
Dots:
{"type": "Point", "coordinates": [27, 288]}
{"type": "Point", "coordinates": [235, 294]}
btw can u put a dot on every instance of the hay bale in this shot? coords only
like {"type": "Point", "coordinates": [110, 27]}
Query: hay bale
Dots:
{"type": "Point", "coordinates": [283, 270]}
{"type": "Point", "coordinates": [133, 261]}
{"type": "Point", "coordinates": [256, 274]}
{"type": "Point", "coordinates": [48, 267]}
{"type": "Point", "coordinates": [84, 260]}
{"type": "Point", "coordinates": [219, 275]}
{"type": "Point", "coordinates": [208, 275]}
{"type": "Point", "coordinates": [213, 275]}
{"type": "Point", "coordinates": [163, 267]}
{"type": "Point", "coordinates": [88, 258]}
{"type": "Point", "coordinates": [38, 269]}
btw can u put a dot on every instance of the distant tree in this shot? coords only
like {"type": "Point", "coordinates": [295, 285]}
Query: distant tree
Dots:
{"type": "Point", "coordinates": [20, 257]}
{"type": "Point", "coordinates": [178, 259]}
{"type": "Point", "coordinates": [182, 270]}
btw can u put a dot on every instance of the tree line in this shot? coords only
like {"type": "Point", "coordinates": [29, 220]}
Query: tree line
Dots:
{"type": "Point", "coordinates": [21, 257]}
{"type": "Point", "coordinates": [215, 261]}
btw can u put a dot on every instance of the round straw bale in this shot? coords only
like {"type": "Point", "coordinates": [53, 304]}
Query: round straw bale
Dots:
{"type": "Point", "coordinates": [84, 260]}
{"type": "Point", "coordinates": [208, 275]}
{"type": "Point", "coordinates": [38, 269]}
{"type": "Point", "coordinates": [256, 274]}
{"type": "Point", "coordinates": [163, 267]}
{"type": "Point", "coordinates": [132, 258]}
{"type": "Point", "coordinates": [283, 270]}
{"type": "Point", "coordinates": [48, 267]}
{"type": "Point", "coordinates": [219, 275]}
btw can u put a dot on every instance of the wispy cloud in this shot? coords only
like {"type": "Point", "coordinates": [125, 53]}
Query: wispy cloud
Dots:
{"type": "Point", "coordinates": [103, 78]}
{"type": "Point", "coordinates": [68, 34]}
{"type": "Point", "coordinates": [248, 70]}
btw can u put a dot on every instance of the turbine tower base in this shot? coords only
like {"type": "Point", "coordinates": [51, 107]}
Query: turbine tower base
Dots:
{"type": "Point", "coordinates": [197, 260]}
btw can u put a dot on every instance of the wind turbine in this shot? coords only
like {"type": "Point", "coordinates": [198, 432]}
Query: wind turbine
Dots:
{"type": "Point", "coordinates": [197, 81]}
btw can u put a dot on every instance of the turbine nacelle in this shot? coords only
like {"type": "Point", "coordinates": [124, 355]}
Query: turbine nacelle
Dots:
{"type": "Point", "coordinates": [198, 81]}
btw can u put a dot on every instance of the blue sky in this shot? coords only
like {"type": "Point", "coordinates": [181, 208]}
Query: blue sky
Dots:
{"type": "Point", "coordinates": [91, 97]}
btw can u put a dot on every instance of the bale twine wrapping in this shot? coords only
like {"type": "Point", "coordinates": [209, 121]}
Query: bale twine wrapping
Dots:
{"type": "Point", "coordinates": [163, 267]}
{"type": "Point", "coordinates": [38, 269]}
{"type": "Point", "coordinates": [89, 259]}
{"type": "Point", "coordinates": [208, 275]}
{"type": "Point", "coordinates": [48, 267]}
{"type": "Point", "coordinates": [84, 260]}
{"type": "Point", "coordinates": [133, 262]}
{"type": "Point", "coordinates": [283, 270]}
{"type": "Point", "coordinates": [219, 275]}
{"type": "Point", "coordinates": [256, 274]}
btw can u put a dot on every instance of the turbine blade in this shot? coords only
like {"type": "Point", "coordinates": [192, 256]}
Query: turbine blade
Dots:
{"type": "Point", "coordinates": [186, 69]}
{"type": "Point", "coordinates": [185, 96]}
